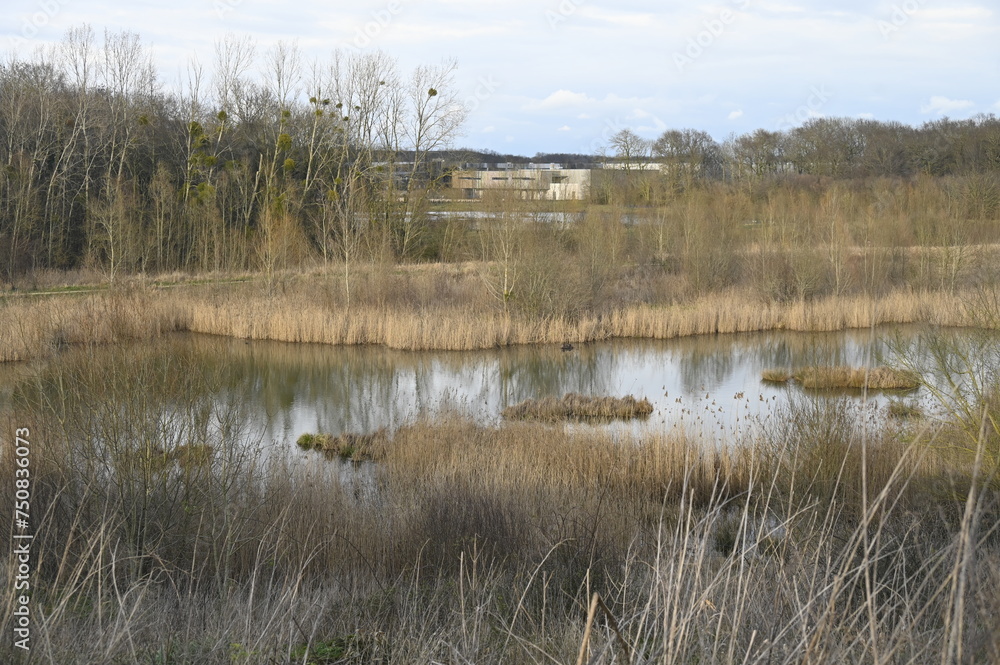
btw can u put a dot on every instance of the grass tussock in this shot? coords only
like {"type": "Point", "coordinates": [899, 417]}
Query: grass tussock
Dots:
{"type": "Point", "coordinates": [902, 409]}
{"type": "Point", "coordinates": [775, 376]}
{"type": "Point", "coordinates": [575, 406]}
{"type": "Point", "coordinates": [876, 378]}
{"type": "Point", "coordinates": [348, 446]}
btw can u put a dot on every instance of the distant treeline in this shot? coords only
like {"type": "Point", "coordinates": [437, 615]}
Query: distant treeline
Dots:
{"type": "Point", "coordinates": [845, 148]}
{"type": "Point", "coordinates": [269, 159]}
{"type": "Point", "coordinates": [836, 147]}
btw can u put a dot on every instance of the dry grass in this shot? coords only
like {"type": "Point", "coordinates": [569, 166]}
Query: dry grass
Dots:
{"type": "Point", "coordinates": [434, 308]}
{"type": "Point", "coordinates": [483, 544]}
{"type": "Point", "coordinates": [574, 406]}
{"type": "Point", "coordinates": [775, 375]}
{"type": "Point", "coordinates": [876, 378]}
{"type": "Point", "coordinates": [35, 327]}
{"type": "Point", "coordinates": [901, 409]}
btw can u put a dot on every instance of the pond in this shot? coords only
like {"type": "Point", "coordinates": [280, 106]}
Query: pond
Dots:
{"type": "Point", "coordinates": [708, 386]}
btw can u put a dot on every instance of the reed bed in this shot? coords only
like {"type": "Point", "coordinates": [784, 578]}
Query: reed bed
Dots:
{"type": "Point", "coordinates": [431, 310]}
{"type": "Point", "coordinates": [773, 375]}
{"type": "Point", "coordinates": [573, 406]}
{"type": "Point", "coordinates": [841, 377]}
{"type": "Point", "coordinates": [875, 378]}
{"type": "Point", "coordinates": [35, 327]}
{"type": "Point", "coordinates": [825, 537]}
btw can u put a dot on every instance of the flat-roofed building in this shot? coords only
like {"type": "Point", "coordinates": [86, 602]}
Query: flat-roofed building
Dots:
{"type": "Point", "coordinates": [533, 183]}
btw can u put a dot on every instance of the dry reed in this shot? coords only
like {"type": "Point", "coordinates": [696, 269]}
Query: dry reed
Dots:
{"type": "Point", "coordinates": [775, 375]}
{"type": "Point", "coordinates": [876, 378]}
{"type": "Point", "coordinates": [480, 545]}
{"type": "Point", "coordinates": [901, 409]}
{"type": "Point", "coordinates": [430, 315]}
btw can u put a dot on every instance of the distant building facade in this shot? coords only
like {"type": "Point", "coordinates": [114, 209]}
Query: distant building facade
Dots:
{"type": "Point", "coordinates": [535, 182]}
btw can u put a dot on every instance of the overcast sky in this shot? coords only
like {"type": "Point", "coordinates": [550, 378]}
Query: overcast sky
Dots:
{"type": "Point", "coordinates": [562, 76]}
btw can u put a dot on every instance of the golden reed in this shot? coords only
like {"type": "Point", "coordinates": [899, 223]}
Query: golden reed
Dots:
{"type": "Point", "coordinates": [33, 327]}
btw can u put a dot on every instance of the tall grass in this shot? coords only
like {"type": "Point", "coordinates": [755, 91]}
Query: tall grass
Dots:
{"type": "Point", "coordinates": [822, 537]}
{"type": "Point", "coordinates": [428, 309]}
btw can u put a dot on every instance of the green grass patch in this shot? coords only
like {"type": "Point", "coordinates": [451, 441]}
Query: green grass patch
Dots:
{"type": "Point", "coordinates": [576, 406]}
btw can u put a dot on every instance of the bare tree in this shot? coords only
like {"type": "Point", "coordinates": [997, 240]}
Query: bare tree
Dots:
{"type": "Point", "coordinates": [687, 155]}
{"type": "Point", "coordinates": [434, 118]}
{"type": "Point", "coordinates": [630, 149]}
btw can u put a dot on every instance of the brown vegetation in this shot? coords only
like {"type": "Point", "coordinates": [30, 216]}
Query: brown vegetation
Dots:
{"type": "Point", "coordinates": [574, 406]}
{"type": "Point", "coordinates": [875, 378]}
{"type": "Point", "coordinates": [901, 409]}
{"type": "Point", "coordinates": [164, 533]}
{"type": "Point", "coordinates": [434, 308]}
{"type": "Point", "coordinates": [484, 544]}
{"type": "Point", "coordinates": [776, 375]}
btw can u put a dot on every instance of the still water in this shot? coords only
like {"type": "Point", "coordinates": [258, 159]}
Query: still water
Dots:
{"type": "Point", "coordinates": [709, 385]}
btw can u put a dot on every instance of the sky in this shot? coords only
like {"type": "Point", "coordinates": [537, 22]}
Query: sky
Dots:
{"type": "Point", "coordinates": [540, 76]}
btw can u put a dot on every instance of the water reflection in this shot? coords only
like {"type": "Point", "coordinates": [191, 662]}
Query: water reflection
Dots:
{"type": "Point", "coordinates": [709, 386]}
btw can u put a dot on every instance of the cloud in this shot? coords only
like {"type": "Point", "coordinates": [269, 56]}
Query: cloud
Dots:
{"type": "Point", "coordinates": [560, 99]}
{"type": "Point", "coordinates": [957, 14]}
{"type": "Point", "coordinates": [564, 128]}
{"type": "Point", "coordinates": [567, 100]}
{"type": "Point", "coordinates": [866, 116]}
{"type": "Point", "coordinates": [940, 105]}
{"type": "Point", "coordinates": [776, 8]}
{"type": "Point", "coordinates": [647, 122]}
{"type": "Point", "coordinates": [745, 68]}
{"type": "Point", "coordinates": [618, 18]}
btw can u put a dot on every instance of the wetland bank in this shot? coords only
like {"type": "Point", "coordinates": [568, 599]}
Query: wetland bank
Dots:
{"type": "Point", "coordinates": [489, 538]}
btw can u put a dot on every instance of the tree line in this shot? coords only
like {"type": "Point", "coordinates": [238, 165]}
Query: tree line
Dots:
{"type": "Point", "coordinates": [833, 147]}
{"type": "Point", "coordinates": [267, 159]}
{"type": "Point", "coordinates": [264, 159]}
